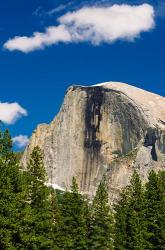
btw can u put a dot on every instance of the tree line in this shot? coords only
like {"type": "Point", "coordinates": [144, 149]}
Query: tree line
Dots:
{"type": "Point", "coordinates": [34, 216]}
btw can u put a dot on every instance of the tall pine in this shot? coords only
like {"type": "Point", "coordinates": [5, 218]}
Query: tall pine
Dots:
{"type": "Point", "coordinates": [38, 231]}
{"type": "Point", "coordinates": [155, 210]}
{"type": "Point", "coordinates": [101, 226]}
{"type": "Point", "coordinates": [122, 220]}
{"type": "Point", "coordinates": [74, 224]}
{"type": "Point", "coordinates": [130, 226]}
{"type": "Point", "coordinates": [10, 194]}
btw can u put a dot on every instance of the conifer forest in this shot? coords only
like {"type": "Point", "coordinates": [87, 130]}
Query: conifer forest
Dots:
{"type": "Point", "coordinates": [34, 216]}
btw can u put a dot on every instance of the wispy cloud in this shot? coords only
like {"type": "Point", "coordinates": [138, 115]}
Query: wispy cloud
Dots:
{"type": "Point", "coordinates": [10, 112]}
{"type": "Point", "coordinates": [93, 24]}
{"type": "Point", "coordinates": [59, 8]}
{"type": "Point", "coordinates": [21, 141]}
{"type": "Point", "coordinates": [160, 9]}
{"type": "Point", "coordinates": [40, 12]}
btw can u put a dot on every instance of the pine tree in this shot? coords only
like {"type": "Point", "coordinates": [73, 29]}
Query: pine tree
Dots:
{"type": "Point", "coordinates": [101, 228]}
{"type": "Point", "coordinates": [155, 212]}
{"type": "Point", "coordinates": [136, 226]}
{"type": "Point", "coordinates": [121, 220]}
{"type": "Point", "coordinates": [38, 232]}
{"type": "Point", "coordinates": [74, 225]}
{"type": "Point", "coordinates": [5, 143]}
{"type": "Point", "coordinates": [161, 214]}
{"type": "Point", "coordinates": [10, 193]}
{"type": "Point", "coordinates": [130, 226]}
{"type": "Point", "coordinates": [56, 218]}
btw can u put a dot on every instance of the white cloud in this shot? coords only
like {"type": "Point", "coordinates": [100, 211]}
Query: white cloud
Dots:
{"type": "Point", "coordinates": [93, 24]}
{"type": "Point", "coordinates": [52, 35]}
{"type": "Point", "coordinates": [10, 112]}
{"type": "Point", "coordinates": [21, 141]}
{"type": "Point", "coordinates": [107, 24]}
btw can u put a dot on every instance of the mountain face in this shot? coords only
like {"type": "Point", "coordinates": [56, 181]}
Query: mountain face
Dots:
{"type": "Point", "coordinates": [107, 129]}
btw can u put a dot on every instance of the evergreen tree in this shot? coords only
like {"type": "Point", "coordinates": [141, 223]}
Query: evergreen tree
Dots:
{"type": "Point", "coordinates": [130, 226]}
{"type": "Point", "coordinates": [5, 143]}
{"type": "Point", "coordinates": [10, 193]}
{"type": "Point", "coordinates": [101, 228]}
{"type": "Point", "coordinates": [74, 225]}
{"type": "Point", "coordinates": [38, 232]}
{"type": "Point", "coordinates": [33, 216]}
{"type": "Point", "coordinates": [56, 219]}
{"type": "Point", "coordinates": [161, 212]}
{"type": "Point", "coordinates": [121, 220]}
{"type": "Point", "coordinates": [155, 210]}
{"type": "Point", "coordinates": [136, 226]}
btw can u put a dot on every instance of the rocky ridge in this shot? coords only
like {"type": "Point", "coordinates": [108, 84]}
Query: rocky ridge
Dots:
{"type": "Point", "coordinates": [106, 129]}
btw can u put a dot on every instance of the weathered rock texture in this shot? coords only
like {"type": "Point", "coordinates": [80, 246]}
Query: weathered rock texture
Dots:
{"type": "Point", "coordinates": [110, 128]}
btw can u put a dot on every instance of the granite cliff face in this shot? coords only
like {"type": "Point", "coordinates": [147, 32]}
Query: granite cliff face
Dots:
{"type": "Point", "coordinates": [107, 129]}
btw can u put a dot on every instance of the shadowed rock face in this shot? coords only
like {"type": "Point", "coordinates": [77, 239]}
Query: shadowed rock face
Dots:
{"type": "Point", "coordinates": [108, 129]}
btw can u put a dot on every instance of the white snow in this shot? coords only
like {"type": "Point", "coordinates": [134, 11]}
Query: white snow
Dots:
{"type": "Point", "coordinates": [55, 186]}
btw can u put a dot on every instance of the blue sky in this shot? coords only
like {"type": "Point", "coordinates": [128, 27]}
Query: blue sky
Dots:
{"type": "Point", "coordinates": [36, 73]}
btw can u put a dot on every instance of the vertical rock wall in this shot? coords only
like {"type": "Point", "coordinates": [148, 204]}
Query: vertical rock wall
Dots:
{"type": "Point", "coordinates": [101, 130]}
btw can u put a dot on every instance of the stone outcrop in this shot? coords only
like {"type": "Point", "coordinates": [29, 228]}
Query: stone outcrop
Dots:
{"type": "Point", "coordinates": [106, 129]}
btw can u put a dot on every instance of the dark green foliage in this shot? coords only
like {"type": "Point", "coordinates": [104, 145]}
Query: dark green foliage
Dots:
{"type": "Point", "coordinates": [130, 225]}
{"type": "Point", "coordinates": [136, 214]}
{"type": "Point", "coordinates": [5, 143]}
{"type": "Point", "coordinates": [155, 210]}
{"type": "Point", "coordinates": [101, 226]}
{"type": "Point", "coordinates": [33, 216]}
{"type": "Point", "coordinates": [140, 214]}
{"type": "Point", "coordinates": [56, 219]}
{"type": "Point", "coordinates": [10, 193]}
{"type": "Point", "coordinates": [121, 220]}
{"type": "Point", "coordinates": [74, 224]}
{"type": "Point", "coordinates": [36, 166]}
{"type": "Point", "coordinates": [38, 216]}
